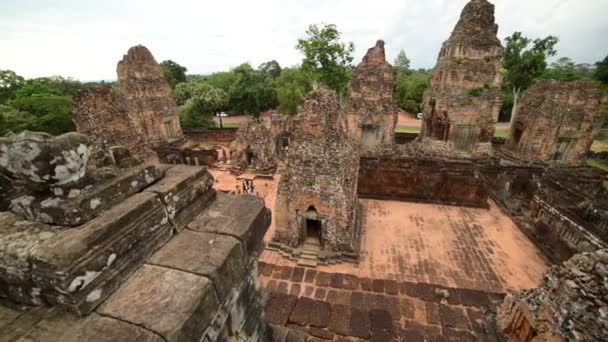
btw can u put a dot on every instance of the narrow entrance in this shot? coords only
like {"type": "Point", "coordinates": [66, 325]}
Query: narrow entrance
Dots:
{"type": "Point", "coordinates": [313, 231]}
{"type": "Point", "coordinates": [249, 157]}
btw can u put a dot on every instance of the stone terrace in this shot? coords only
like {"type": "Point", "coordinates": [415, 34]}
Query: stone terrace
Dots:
{"type": "Point", "coordinates": [450, 246]}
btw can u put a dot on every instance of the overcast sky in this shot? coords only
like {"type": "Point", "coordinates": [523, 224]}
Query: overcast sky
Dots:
{"type": "Point", "coordinates": [86, 38]}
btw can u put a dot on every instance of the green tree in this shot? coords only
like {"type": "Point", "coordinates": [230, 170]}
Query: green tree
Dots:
{"type": "Point", "coordinates": [292, 87]}
{"type": "Point", "coordinates": [565, 69]}
{"type": "Point", "coordinates": [9, 83]}
{"type": "Point", "coordinates": [174, 73]}
{"type": "Point", "coordinates": [45, 113]}
{"type": "Point", "coordinates": [402, 63]}
{"type": "Point", "coordinates": [222, 80]}
{"type": "Point", "coordinates": [524, 63]}
{"type": "Point", "coordinates": [271, 68]}
{"type": "Point", "coordinates": [252, 92]}
{"type": "Point", "coordinates": [204, 101]}
{"type": "Point", "coordinates": [326, 57]}
{"type": "Point", "coordinates": [601, 70]}
{"type": "Point", "coordinates": [409, 89]}
{"type": "Point", "coordinates": [45, 86]}
{"type": "Point", "coordinates": [14, 120]}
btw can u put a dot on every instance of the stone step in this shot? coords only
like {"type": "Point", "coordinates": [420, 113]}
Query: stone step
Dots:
{"type": "Point", "coordinates": [308, 263]}
{"type": "Point", "coordinates": [309, 257]}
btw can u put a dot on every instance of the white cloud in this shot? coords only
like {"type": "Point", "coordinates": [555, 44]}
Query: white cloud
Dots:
{"type": "Point", "coordinates": [85, 39]}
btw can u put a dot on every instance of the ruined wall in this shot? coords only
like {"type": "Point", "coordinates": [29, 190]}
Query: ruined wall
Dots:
{"type": "Point", "coordinates": [370, 116]}
{"type": "Point", "coordinates": [320, 179]}
{"type": "Point", "coordinates": [218, 135]}
{"type": "Point", "coordinates": [147, 97]}
{"type": "Point", "coordinates": [568, 305]}
{"type": "Point", "coordinates": [423, 180]}
{"type": "Point", "coordinates": [557, 122]}
{"type": "Point", "coordinates": [254, 148]}
{"type": "Point", "coordinates": [98, 114]}
{"type": "Point", "coordinates": [463, 100]}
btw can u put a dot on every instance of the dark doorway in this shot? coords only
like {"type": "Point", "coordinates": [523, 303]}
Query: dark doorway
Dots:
{"type": "Point", "coordinates": [249, 157]}
{"type": "Point", "coordinates": [517, 136]}
{"type": "Point", "coordinates": [313, 231]}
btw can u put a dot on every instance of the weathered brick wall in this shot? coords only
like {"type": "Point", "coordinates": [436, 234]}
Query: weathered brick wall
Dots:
{"type": "Point", "coordinates": [557, 122]}
{"type": "Point", "coordinates": [224, 135]}
{"type": "Point", "coordinates": [463, 100]}
{"type": "Point", "coordinates": [99, 115]}
{"type": "Point", "coordinates": [370, 116]}
{"type": "Point", "coordinates": [147, 97]}
{"type": "Point", "coordinates": [423, 180]}
{"type": "Point", "coordinates": [254, 148]}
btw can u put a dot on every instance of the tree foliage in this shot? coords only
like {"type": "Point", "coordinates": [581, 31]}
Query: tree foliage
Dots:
{"type": "Point", "coordinates": [252, 92]}
{"type": "Point", "coordinates": [402, 63]}
{"type": "Point", "coordinates": [601, 70]}
{"type": "Point", "coordinates": [9, 83]}
{"type": "Point", "coordinates": [174, 73]}
{"type": "Point", "coordinates": [199, 102]}
{"type": "Point", "coordinates": [565, 69]}
{"type": "Point", "coordinates": [524, 63]}
{"type": "Point", "coordinates": [409, 89]}
{"type": "Point", "coordinates": [292, 87]}
{"type": "Point", "coordinates": [326, 57]}
{"type": "Point", "coordinates": [271, 68]}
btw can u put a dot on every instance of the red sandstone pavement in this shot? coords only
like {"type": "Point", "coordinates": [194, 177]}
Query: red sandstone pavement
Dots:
{"type": "Point", "coordinates": [444, 245]}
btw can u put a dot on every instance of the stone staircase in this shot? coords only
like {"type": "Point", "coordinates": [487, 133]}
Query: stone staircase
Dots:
{"type": "Point", "coordinates": [310, 254]}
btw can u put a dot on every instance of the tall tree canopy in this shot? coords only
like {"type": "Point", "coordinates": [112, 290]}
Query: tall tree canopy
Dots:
{"type": "Point", "coordinates": [9, 83]}
{"type": "Point", "coordinates": [292, 87]}
{"type": "Point", "coordinates": [199, 103]}
{"type": "Point", "coordinates": [601, 71]}
{"type": "Point", "coordinates": [271, 68]}
{"type": "Point", "coordinates": [524, 63]}
{"type": "Point", "coordinates": [565, 69]}
{"type": "Point", "coordinates": [174, 73]}
{"type": "Point", "coordinates": [402, 63]}
{"type": "Point", "coordinates": [409, 89]}
{"type": "Point", "coordinates": [326, 57]}
{"type": "Point", "coordinates": [252, 92]}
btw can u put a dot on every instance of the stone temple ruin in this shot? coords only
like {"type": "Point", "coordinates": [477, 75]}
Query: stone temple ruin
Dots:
{"type": "Point", "coordinates": [452, 237]}
{"type": "Point", "coordinates": [254, 149]}
{"type": "Point", "coordinates": [147, 97]}
{"type": "Point", "coordinates": [462, 103]}
{"type": "Point", "coordinates": [557, 122]}
{"type": "Point", "coordinates": [317, 195]}
{"type": "Point", "coordinates": [371, 115]}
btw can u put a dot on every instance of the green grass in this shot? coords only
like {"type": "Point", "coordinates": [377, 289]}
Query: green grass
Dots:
{"type": "Point", "coordinates": [601, 142]}
{"type": "Point", "coordinates": [501, 133]}
{"type": "Point", "coordinates": [602, 164]}
{"type": "Point", "coordinates": [407, 129]}
{"type": "Point", "coordinates": [230, 125]}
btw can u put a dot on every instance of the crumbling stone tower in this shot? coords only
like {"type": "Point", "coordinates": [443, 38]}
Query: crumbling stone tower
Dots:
{"type": "Point", "coordinates": [317, 195]}
{"type": "Point", "coordinates": [98, 114]}
{"type": "Point", "coordinates": [462, 103]}
{"type": "Point", "coordinates": [557, 122]}
{"type": "Point", "coordinates": [147, 97]}
{"type": "Point", "coordinates": [254, 149]}
{"type": "Point", "coordinates": [371, 115]}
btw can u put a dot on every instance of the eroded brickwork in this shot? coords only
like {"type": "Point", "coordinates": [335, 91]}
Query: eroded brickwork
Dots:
{"type": "Point", "coordinates": [254, 148]}
{"type": "Point", "coordinates": [462, 103]}
{"type": "Point", "coordinates": [318, 191]}
{"type": "Point", "coordinates": [98, 114]}
{"type": "Point", "coordinates": [569, 304]}
{"type": "Point", "coordinates": [370, 116]}
{"type": "Point", "coordinates": [557, 122]}
{"type": "Point", "coordinates": [147, 97]}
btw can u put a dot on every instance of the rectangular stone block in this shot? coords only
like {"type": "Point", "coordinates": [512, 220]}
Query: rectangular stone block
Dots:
{"type": "Point", "coordinates": [244, 217]}
{"type": "Point", "coordinates": [79, 206]}
{"type": "Point", "coordinates": [176, 305]}
{"type": "Point", "coordinates": [79, 267]}
{"type": "Point", "coordinates": [18, 240]}
{"type": "Point", "coordinates": [184, 186]}
{"type": "Point", "coordinates": [217, 257]}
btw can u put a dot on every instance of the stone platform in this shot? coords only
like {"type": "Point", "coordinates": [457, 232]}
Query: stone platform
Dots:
{"type": "Point", "coordinates": [169, 263]}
